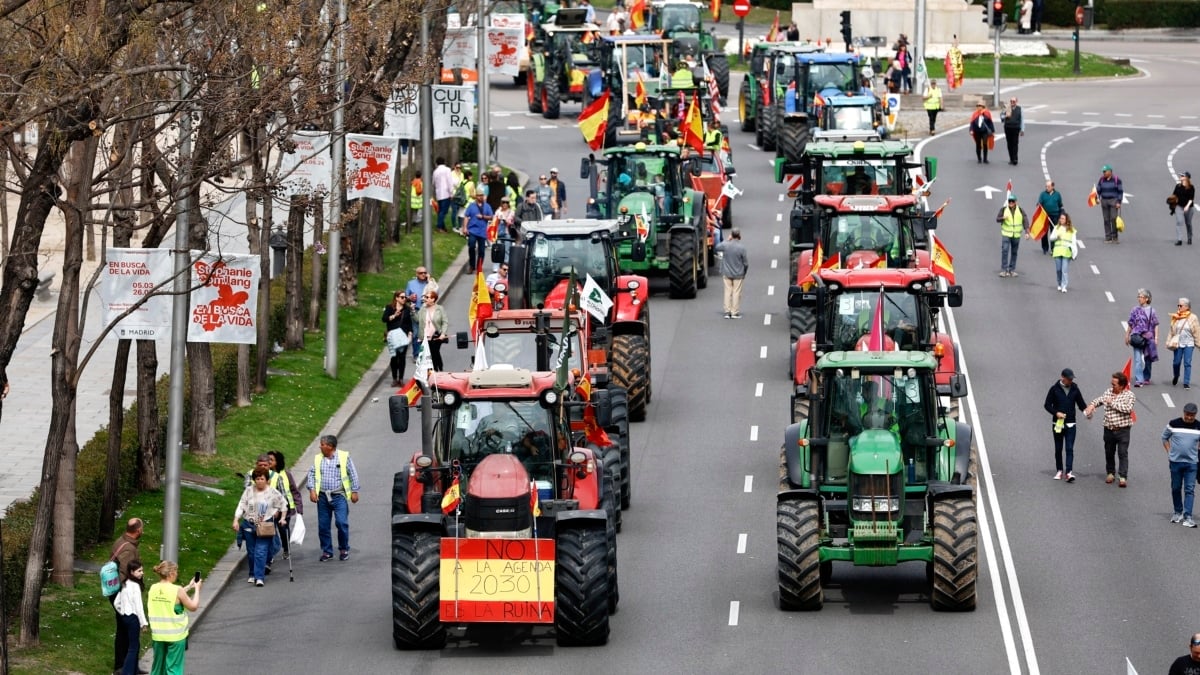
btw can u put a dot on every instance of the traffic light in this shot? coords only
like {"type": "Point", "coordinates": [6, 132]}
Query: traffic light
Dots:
{"type": "Point", "coordinates": [846, 33]}
{"type": "Point", "coordinates": [997, 13]}
{"type": "Point", "coordinates": [987, 13]}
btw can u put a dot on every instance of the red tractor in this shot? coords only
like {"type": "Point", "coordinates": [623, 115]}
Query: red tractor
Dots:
{"type": "Point", "coordinates": [507, 523]}
{"type": "Point", "coordinates": [845, 303]}
{"type": "Point", "coordinates": [859, 232]}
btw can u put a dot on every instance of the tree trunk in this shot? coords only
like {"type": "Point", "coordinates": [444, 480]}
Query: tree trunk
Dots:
{"type": "Point", "coordinates": [347, 277]}
{"type": "Point", "coordinates": [314, 302]}
{"type": "Point", "coordinates": [202, 436]}
{"type": "Point", "coordinates": [293, 273]}
{"type": "Point", "coordinates": [150, 430]}
{"type": "Point", "coordinates": [370, 251]}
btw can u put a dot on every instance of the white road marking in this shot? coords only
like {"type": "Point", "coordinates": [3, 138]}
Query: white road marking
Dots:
{"type": "Point", "coordinates": [758, 389]}
{"type": "Point", "coordinates": [753, 432]}
{"type": "Point", "coordinates": [1171, 157]}
{"type": "Point", "coordinates": [1091, 113]}
{"type": "Point", "coordinates": [753, 146]}
{"type": "Point", "coordinates": [1124, 326]}
{"type": "Point", "coordinates": [741, 549]}
{"type": "Point", "coordinates": [501, 114]}
{"type": "Point", "coordinates": [766, 319]}
{"type": "Point", "coordinates": [1187, 117]}
{"type": "Point", "coordinates": [1167, 400]}
{"type": "Point", "coordinates": [771, 289]}
{"type": "Point", "coordinates": [547, 126]}
{"type": "Point", "coordinates": [1081, 244]}
{"type": "Point", "coordinates": [775, 240]}
{"type": "Point", "coordinates": [1156, 116]}
{"type": "Point", "coordinates": [762, 352]}
{"type": "Point", "coordinates": [779, 217]}
{"type": "Point", "coordinates": [748, 485]}
{"type": "Point", "coordinates": [734, 605]}
{"type": "Point", "coordinates": [774, 264]}
{"type": "Point", "coordinates": [1109, 296]}
{"type": "Point", "coordinates": [516, 128]}
{"type": "Point", "coordinates": [1095, 270]}
{"type": "Point", "coordinates": [780, 197]}
{"type": "Point", "coordinates": [1122, 115]}
{"type": "Point", "coordinates": [1058, 112]}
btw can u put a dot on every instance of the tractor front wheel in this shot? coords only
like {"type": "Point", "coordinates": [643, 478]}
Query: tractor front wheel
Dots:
{"type": "Point", "coordinates": [682, 265]}
{"type": "Point", "coordinates": [581, 587]}
{"type": "Point", "coordinates": [719, 65]}
{"type": "Point", "coordinates": [744, 117]}
{"type": "Point", "coordinates": [793, 138]}
{"type": "Point", "coordinates": [416, 591]}
{"type": "Point", "coordinates": [770, 127]}
{"type": "Point", "coordinates": [631, 371]}
{"type": "Point", "coordinates": [619, 432]}
{"type": "Point", "coordinates": [532, 94]}
{"type": "Point", "coordinates": [551, 98]}
{"type": "Point", "coordinates": [955, 555]}
{"type": "Point", "coordinates": [797, 527]}
{"type": "Point", "coordinates": [801, 320]}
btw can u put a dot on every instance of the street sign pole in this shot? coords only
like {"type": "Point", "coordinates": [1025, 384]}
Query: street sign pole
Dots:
{"type": "Point", "coordinates": [741, 8]}
{"type": "Point", "coordinates": [742, 43]}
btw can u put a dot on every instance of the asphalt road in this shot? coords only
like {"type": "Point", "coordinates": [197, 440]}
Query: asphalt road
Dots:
{"type": "Point", "coordinates": [1073, 578]}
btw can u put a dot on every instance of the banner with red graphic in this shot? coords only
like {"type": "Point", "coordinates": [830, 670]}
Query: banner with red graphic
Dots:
{"type": "Point", "coordinates": [224, 298]}
{"type": "Point", "coordinates": [371, 166]}
{"type": "Point", "coordinates": [503, 47]}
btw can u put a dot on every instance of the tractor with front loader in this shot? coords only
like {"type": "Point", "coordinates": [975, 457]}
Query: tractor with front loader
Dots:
{"type": "Point", "coordinates": [562, 52]}
{"type": "Point", "coordinates": [681, 21]}
{"type": "Point", "coordinates": [875, 474]}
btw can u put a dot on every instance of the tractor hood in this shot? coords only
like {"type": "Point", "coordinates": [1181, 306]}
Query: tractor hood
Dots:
{"type": "Point", "coordinates": [557, 297]}
{"type": "Point", "coordinates": [875, 452]}
{"type": "Point", "coordinates": [499, 476]}
{"type": "Point", "coordinates": [638, 203]}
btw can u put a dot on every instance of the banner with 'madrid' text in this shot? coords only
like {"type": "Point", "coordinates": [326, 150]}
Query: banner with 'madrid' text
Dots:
{"type": "Point", "coordinates": [224, 298]}
{"type": "Point", "coordinates": [131, 275]}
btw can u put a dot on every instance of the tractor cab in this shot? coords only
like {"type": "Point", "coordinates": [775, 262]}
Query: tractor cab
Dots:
{"type": "Point", "coordinates": [848, 118]}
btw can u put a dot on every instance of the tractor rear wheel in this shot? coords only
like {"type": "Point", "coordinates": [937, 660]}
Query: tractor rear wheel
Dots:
{"type": "Point", "coordinates": [793, 138]}
{"type": "Point", "coordinates": [797, 526]}
{"type": "Point", "coordinates": [608, 502]}
{"type": "Point", "coordinates": [801, 320]}
{"type": "Point", "coordinates": [611, 458]}
{"type": "Point", "coordinates": [619, 432]}
{"type": "Point", "coordinates": [581, 587]}
{"type": "Point", "coordinates": [955, 555]}
{"type": "Point", "coordinates": [551, 98]}
{"type": "Point", "coordinates": [719, 65]}
{"type": "Point", "coordinates": [631, 371]}
{"type": "Point", "coordinates": [416, 590]}
{"type": "Point", "coordinates": [784, 483]}
{"type": "Point", "coordinates": [769, 123]}
{"type": "Point", "coordinates": [744, 116]}
{"type": "Point", "coordinates": [399, 488]}
{"type": "Point", "coordinates": [682, 265]}
{"type": "Point", "coordinates": [532, 94]}
{"type": "Point", "coordinates": [799, 407]}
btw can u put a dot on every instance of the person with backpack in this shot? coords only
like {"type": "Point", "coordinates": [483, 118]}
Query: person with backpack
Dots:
{"type": "Point", "coordinates": [129, 607]}
{"type": "Point", "coordinates": [124, 551]}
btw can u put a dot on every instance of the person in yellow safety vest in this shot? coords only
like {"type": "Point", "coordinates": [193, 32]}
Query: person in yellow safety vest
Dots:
{"type": "Point", "coordinates": [1065, 248]}
{"type": "Point", "coordinates": [682, 77]}
{"type": "Point", "coordinates": [415, 193]}
{"type": "Point", "coordinates": [331, 478]}
{"type": "Point", "coordinates": [713, 136]}
{"type": "Point", "coordinates": [1012, 224]}
{"type": "Point", "coordinates": [933, 104]}
{"type": "Point", "coordinates": [165, 611]}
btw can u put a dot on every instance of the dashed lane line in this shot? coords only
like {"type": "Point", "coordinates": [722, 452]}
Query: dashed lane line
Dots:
{"type": "Point", "coordinates": [1109, 296]}
{"type": "Point", "coordinates": [1167, 399]}
{"type": "Point", "coordinates": [758, 389]}
{"type": "Point", "coordinates": [775, 240]}
{"type": "Point", "coordinates": [762, 352]}
{"type": "Point", "coordinates": [753, 433]}
{"type": "Point", "coordinates": [774, 263]}
{"type": "Point", "coordinates": [779, 217]}
{"type": "Point", "coordinates": [734, 608]}
{"type": "Point", "coordinates": [748, 485]}
{"type": "Point", "coordinates": [766, 319]}
{"type": "Point", "coordinates": [771, 290]}
{"type": "Point", "coordinates": [1095, 270]}
{"type": "Point", "coordinates": [741, 546]}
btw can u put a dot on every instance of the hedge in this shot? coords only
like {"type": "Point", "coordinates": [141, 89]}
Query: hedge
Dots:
{"type": "Point", "coordinates": [92, 459]}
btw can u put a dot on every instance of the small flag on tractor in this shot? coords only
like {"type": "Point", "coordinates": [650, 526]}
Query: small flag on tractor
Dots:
{"type": "Point", "coordinates": [941, 209]}
{"type": "Point", "coordinates": [693, 126]}
{"type": "Point", "coordinates": [940, 260]}
{"type": "Point", "coordinates": [875, 341]}
{"type": "Point", "coordinates": [411, 391]}
{"type": "Point", "coordinates": [453, 498]}
{"type": "Point", "coordinates": [534, 506]}
{"type": "Point", "coordinates": [773, 34]}
{"type": "Point", "coordinates": [639, 92]}
{"type": "Point", "coordinates": [593, 122]}
{"type": "Point", "coordinates": [481, 303]}
{"type": "Point", "coordinates": [817, 258]}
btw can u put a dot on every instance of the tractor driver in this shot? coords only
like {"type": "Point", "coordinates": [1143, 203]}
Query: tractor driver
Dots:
{"type": "Point", "coordinates": [859, 183]}
{"type": "Point", "coordinates": [499, 431]}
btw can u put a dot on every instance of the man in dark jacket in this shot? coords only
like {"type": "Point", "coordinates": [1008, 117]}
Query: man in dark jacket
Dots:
{"type": "Point", "coordinates": [1061, 401]}
{"type": "Point", "coordinates": [1111, 192]}
{"type": "Point", "coordinates": [1014, 128]}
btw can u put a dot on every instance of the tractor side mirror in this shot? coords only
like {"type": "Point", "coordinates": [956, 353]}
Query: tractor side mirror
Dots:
{"type": "Point", "coordinates": [694, 166]}
{"type": "Point", "coordinates": [398, 413]}
{"type": "Point", "coordinates": [798, 297]}
{"type": "Point", "coordinates": [930, 221]}
{"type": "Point", "coordinates": [603, 404]}
{"type": "Point", "coordinates": [954, 296]}
{"type": "Point", "coordinates": [638, 253]}
{"type": "Point", "coordinates": [585, 168]}
{"type": "Point", "coordinates": [461, 339]}
{"type": "Point", "coordinates": [958, 385]}
{"type": "Point", "coordinates": [498, 252]}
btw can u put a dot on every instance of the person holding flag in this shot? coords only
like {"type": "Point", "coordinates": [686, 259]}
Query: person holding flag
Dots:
{"type": "Point", "coordinates": [1049, 202]}
{"type": "Point", "coordinates": [1118, 402]}
{"type": "Point", "coordinates": [1013, 224]}
{"type": "Point", "coordinates": [1066, 247]}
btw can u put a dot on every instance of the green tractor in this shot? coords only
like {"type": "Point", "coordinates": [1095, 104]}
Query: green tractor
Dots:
{"type": "Point", "coordinates": [771, 67]}
{"type": "Point", "coordinates": [875, 474]}
{"type": "Point", "coordinates": [561, 54]}
{"type": "Point", "coordinates": [624, 61]}
{"type": "Point", "coordinates": [663, 223]}
{"type": "Point", "coordinates": [681, 22]}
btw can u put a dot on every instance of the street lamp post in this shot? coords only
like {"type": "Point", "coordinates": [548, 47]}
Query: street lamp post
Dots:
{"type": "Point", "coordinates": [337, 138]}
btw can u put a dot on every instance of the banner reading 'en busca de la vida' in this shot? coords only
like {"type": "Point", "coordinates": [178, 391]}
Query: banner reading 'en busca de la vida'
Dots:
{"type": "Point", "coordinates": [131, 275]}
{"type": "Point", "coordinates": [371, 166]}
{"type": "Point", "coordinates": [308, 169]}
{"type": "Point", "coordinates": [224, 298]}
{"type": "Point", "coordinates": [453, 111]}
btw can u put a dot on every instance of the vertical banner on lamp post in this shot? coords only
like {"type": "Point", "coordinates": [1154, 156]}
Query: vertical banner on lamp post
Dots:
{"type": "Point", "coordinates": [224, 298]}
{"type": "Point", "coordinates": [453, 111]}
{"type": "Point", "coordinates": [308, 169]}
{"type": "Point", "coordinates": [130, 275]}
{"type": "Point", "coordinates": [371, 166]}
{"type": "Point", "coordinates": [402, 116]}
{"type": "Point", "coordinates": [504, 51]}
{"type": "Point", "coordinates": [459, 48]}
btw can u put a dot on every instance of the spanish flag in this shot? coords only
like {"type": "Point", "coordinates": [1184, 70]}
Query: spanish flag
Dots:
{"type": "Point", "coordinates": [716, 11]}
{"type": "Point", "coordinates": [817, 258]}
{"type": "Point", "coordinates": [1128, 372]}
{"type": "Point", "coordinates": [693, 126]}
{"type": "Point", "coordinates": [1039, 223]}
{"type": "Point", "coordinates": [773, 34]}
{"type": "Point", "coordinates": [881, 263]}
{"type": "Point", "coordinates": [1093, 198]}
{"type": "Point", "coordinates": [534, 507]}
{"type": "Point", "coordinates": [941, 209]}
{"type": "Point", "coordinates": [584, 388]}
{"type": "Point", "coordinates": [639, 92]}
{"type": "Point", "coordinates": [833, 263]}
{"type": "Point", "coordinates": [411, 391]}
{"type": "Point", "coordinates": [493, 229]}
{"type": "Point", "coordinates": [453, 498]}
{"type": "Point", "coordinates": [480, 307]}
{"type": "Point", "coordinates": [594, 432]}
{"type": "Point", "coordinates": [593, 122]}
{"type": "Point", "coordinates": [637, 14]}
{"type": "Point", "coordinates": [940, 260]}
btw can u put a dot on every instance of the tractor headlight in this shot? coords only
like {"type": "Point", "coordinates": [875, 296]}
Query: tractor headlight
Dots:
{"type": "Point", "coordinates": [449, 398]}
{"type": "Point", "coordinates": [875, 493]}
{"type": "Point", "coordinates": [423, 461]}
{"type": "Point", "coordinates": [875, 504]}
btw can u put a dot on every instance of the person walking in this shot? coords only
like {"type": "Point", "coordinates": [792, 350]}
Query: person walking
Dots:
{"type": "Point", "coordinates": [398, 316]}
{"type": "Point", "coordinates": [1111, 192]}
{"type": "Point", "coordinates": [982, 129]}
{"type": "Point", "coordinates": [1025, 18]}
{"type": "Point", "coordinates": [1188, 664]}
{"type": "Point", "coordinates": [128, 604]}
{"type": "Point", "coordinates": [416, 198]}
{"type": "Point", "coordinates": [165, 611]}
{"type": "Point", "coordinates": [475, 226]}
{"type": "Point", "coordinates": [558, 194]}
{"type": "Point", "coordinates": [903, 62]}
{"type": "Point", "coordinates": [1141, 334]}
{"type": "Point", "coordinates": [545, 196]}
{"type": "Point", "coordinates": [734, 265]}
{"type": "Point", "coordinates": [1185, 199]}
{"type": "Point", "coordinates": [1118, 401]}
{"type": "Point", "coordinates": [256, 516]}
{"type": "Point", "coordinates": [124, 551]}
{"type": "Point", "coordinates": [1181, 440]}
{"type": "Point", "coordinates": [433, 327]}
{"type": "Point", "coordinates": [933, 104]}
{"type": "Point", "coordinates": [1066, 248]}
{"type": "Point", "coordinates": [282, 480]}
{"type": "Point", "coordinates": [529, 210]}
{"type": "Point", "coordinates": [1052, 204]}
{"type": "Point", "coordinates": [443, 191]}
{"type": "Point", "coordinates": [1185, 331]}
{"type": "Point", "coordinates": [415, 288]}
{"type": "Point", "coordinates": [1061, 401]}
{"type": "Point", "coordinates": [1013, 224]}
{"type": "Point", "coordinates": [331, 478]}
{"type": "Point", "coordinates": [1014, 127]}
